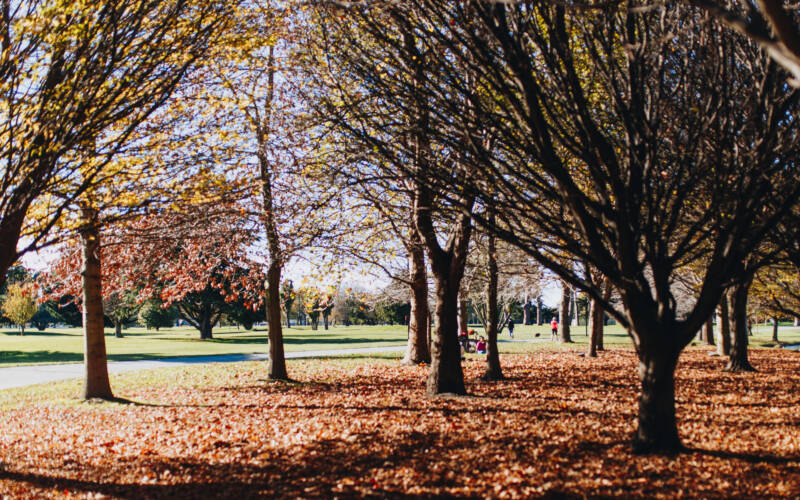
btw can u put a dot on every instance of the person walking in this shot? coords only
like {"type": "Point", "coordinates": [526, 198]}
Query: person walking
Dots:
{"type": "Point", "coordinates": [511, 328]}
{"type": "Point", "coordinates": [554, 329]}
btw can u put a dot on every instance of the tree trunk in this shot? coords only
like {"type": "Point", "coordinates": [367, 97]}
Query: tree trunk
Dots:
{"type": "Point", "coordinates": [118, 329]}
{"type": "Point", "coordinates": [596, 313]}
{"type": "Point", "coordinates": [447, 265]}
{"type": "Point", "coordinates": [724, 345]}
{"type": "Point", "coordinates": [448, 261]}
{"type": "Point", "coordinates": [10, 231]}
{"type": "Point", "coordinates": [775, 329]}
{"type": "Point", "coordinates": [574, 308]}
{"type": "Point", "coordinates": [657, 430]}
{"type": "Point", "coordinates": [463, 321]}
{"type": "Point", "coordinates": [539, 318]}
{"type": "Point", "coordinates": [21, 330]}
{"type": "Point", "coordinates": [96, 384]}
{"type": "Point", "coordinates": [277, 359]}
{"type": "Point", "coordinates": [493, 369]}
{"type": "Point", "coordinates": [418, 350]}
{"type": "Point", "coordinates": [206, 327]}
{"type": "Point", "coordinates": [597, 316]}
{"type": "Point", "coordinates": [564, 337]}
{"type": "Point", "coordinates": [446, 375]}
{"type": "Point", "coordinates": [739, 361]}
{"type": "Point", "coordinates": [708, 331]}
{"type": "Point", "coordinates": [526, 311]}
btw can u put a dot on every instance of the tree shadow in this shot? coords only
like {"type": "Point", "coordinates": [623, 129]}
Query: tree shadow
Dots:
{"type": "Point", "coordinates": [34, 333]}
{"type": "Point", "coordinates": [315, 471]}
{"type": "Point", "coordinates": [38, 357]}
{"type": "Point", "coordinates": [755, 458]}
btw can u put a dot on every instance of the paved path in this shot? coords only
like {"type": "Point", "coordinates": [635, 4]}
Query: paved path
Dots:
{"type": "Point", "coordinates": [21, 376]}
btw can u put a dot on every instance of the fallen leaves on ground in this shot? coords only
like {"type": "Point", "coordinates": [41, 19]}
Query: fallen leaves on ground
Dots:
{"type": "Point", "coordinates": [560, 426]}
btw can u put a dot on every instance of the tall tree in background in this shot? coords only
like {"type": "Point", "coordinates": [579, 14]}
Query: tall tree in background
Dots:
{"type": "Point", "coordinates": [19, 304]}
{"type": "Point", "coordinates": [121, 308]}
{"type": "Point", "coordinates": [251, 81]}
{"type": "Point", "coordinates": [498, 276]}
{"type": "Point", "coordinates": [287, 299]}
{"type": "Point", "coordinates": [563, 314]}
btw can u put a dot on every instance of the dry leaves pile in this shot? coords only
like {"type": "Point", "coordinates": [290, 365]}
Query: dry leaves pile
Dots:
{"type": "Point", "coordinates": [560, 426]}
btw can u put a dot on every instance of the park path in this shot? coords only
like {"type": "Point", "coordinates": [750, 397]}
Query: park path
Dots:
{"type": "Point", "coordinates": [22, 376]}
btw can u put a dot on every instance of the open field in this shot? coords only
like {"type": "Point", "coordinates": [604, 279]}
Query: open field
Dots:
{"type": "Point", "coordinates": [66, 345]}
{"type": "Point", "coordinates": [558, 427]}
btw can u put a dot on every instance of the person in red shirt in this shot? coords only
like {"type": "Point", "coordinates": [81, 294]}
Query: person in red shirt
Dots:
{"type": "Point", "coordinates": [480, 348]}
{"type": "Point", "coordinates": [554, 329]}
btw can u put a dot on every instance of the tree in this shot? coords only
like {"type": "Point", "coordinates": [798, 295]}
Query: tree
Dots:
{"type": "Point", "coordinates": [613, 145]}
{"type": "Point", "coordinates": [326, 304]}
{"type": "Point", "coordinates": [287, 299]}
{"type": "Point", "coordinates": [43, 318]}
{"type": "Point", "coordinates": [78, 78]}
{"type": "Point", "coordinates": [497, 277]}
{"type": "Point", "coordinates": [153, 314]}
{"type": "Point", "coordinates": [311, 299]}
{"type": "Point", "coordinates": [563, 314]}
{"type": "Point", "coordinates": [767, 23]}
{"type": "Point", "coordinates": [198, 261]}
{"type": "Point", "coordinates": [251, 81]}
{"type": "Point", "coordinates": [393, 118]}
{"type": "Point", "coordinates": [19, 305]}
{"type": "Point", "coordinates": [121, 308]}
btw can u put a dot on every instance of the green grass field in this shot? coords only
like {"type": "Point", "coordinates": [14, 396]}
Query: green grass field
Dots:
{"type": "Point", "coordinates": [66, 345]}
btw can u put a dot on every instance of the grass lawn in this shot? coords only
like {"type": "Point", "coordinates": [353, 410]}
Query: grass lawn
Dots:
{"type": "Point", "coordinates": [558, 427]}
{"type": "Point", "coordinates": [66, 345]}
{"type": "Point", "coordinates": [616, 336]}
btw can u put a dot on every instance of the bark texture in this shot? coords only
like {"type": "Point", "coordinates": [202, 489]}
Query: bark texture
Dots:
{"type": "Point", "coordinates": [418, 350]}
{"type": "Point", "coordinates": [276, 369]}
{"type": "Point", "coordinates": [539, 318]}
{"type": "Point", "coordinates": [463, 323]}
{"type": "Point", "coordinates": [596, 313]}
{"type": "Point", "coordinates": [493, 369]}
{"type": "Point", "coordinates": [96, 384]}
{"type": "Point", "coordinates": [447, 266]}
{"type": "Point", "coordinates": [708, 332]}
{"type": "Point", "coordinates": [564, 319]}
{"type": "Point", "coordinates": [206, 324]}
{"type": "Point", "coordinates": [738, 360]}
{"type": "Point", "coordinates": [657, 430]}
{"type": "Point", "coordinates": [724, 344]}
{"type": "Point", "coordinates": [526, 311]}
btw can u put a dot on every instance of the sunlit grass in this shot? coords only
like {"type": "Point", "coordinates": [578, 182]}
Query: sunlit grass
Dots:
{"type": "Point", "coordinates": [66, 345]}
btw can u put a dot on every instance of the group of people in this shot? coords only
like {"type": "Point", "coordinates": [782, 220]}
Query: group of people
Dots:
{"type": "Point", "coordinates": [480, 345]}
